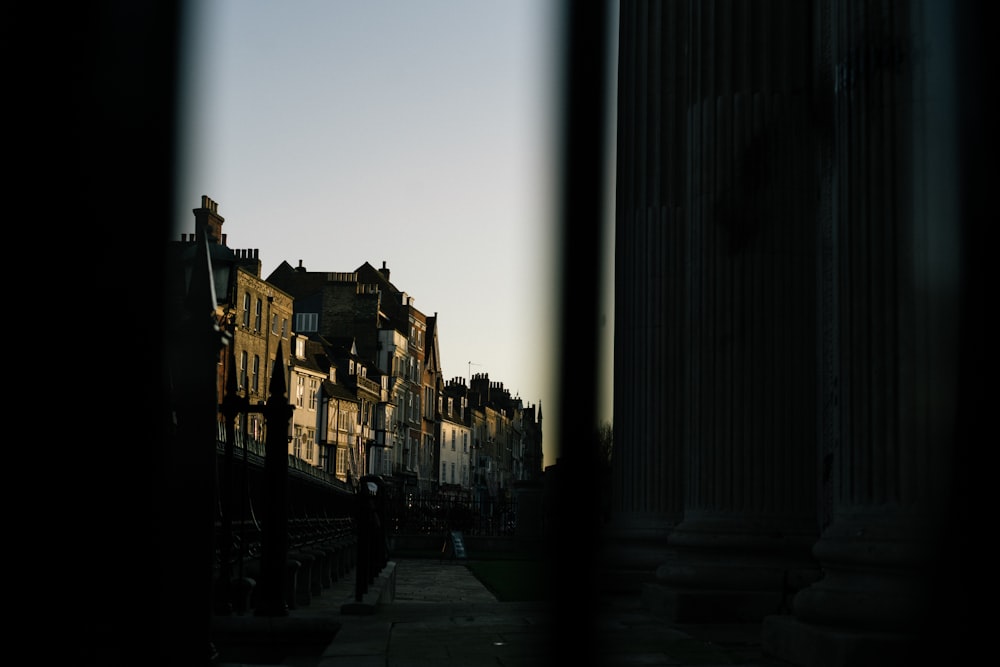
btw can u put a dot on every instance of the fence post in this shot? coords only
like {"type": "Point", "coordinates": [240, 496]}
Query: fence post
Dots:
{"type": "Point", "coordinates": [274, 547]}
{"type": "Point", "coordinates": [364, 517]}
{"type": "Point", "coordinates": [232, 404]}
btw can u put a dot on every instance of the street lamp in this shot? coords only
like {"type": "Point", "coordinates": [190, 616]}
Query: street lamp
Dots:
{"type": "Point", "coordinates": [222, 261]}
{"type": "Point", "coordinates": [189, 465]}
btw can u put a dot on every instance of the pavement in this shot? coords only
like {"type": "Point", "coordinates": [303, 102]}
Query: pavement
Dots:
{"type": "Point", "coordinates": [425, 612]}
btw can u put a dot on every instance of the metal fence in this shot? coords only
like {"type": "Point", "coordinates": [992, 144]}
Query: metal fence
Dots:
{"type": "Point", "coordinates": [436, 516]}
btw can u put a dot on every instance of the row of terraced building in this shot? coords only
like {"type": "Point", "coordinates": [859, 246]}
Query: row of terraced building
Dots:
{"type": "Point", "coordinates": [364, 376]}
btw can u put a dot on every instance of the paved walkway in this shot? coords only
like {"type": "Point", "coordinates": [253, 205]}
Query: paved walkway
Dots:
{"type": "Point", "coordinates": [443, 616]}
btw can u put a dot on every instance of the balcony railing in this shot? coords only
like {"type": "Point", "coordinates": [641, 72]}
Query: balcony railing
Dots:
{"type": "Point", "coordinates": [369, 385]}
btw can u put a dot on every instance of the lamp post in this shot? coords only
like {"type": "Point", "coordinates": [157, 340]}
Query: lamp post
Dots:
{"type": "Point", "coordinates": [189, 465]}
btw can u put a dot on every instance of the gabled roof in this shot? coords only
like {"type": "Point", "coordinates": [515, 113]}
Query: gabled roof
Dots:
{"type": "Point", "coordinates": [334, 390]}
{"type": "Point", "coordinates": [432, 354]}
{"type": "Point", "coordinates": [297, 282]}
{"type": "Point", "coordinates": [369, 274]}
{"type": "Point", "coordinates": [317, 357]}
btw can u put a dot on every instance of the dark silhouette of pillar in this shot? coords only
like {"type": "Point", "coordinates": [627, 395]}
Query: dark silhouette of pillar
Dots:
{"type": "Point", "coordinates": [650, 281]}
{"type": "Point", "coordinates": [274, 540]}
{"type": "Point", "coordinates": [891, 270]}
{"type": "Point", "coordinates": [792, 278]}
{"type": "Point", "coordinates": [750, 251]}
{"type": "Point", "coordinates": [715, 304]}
{"type": "Point", "coordinates": [582, 184]}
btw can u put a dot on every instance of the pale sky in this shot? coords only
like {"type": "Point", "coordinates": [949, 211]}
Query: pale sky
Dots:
{"type": "Point", "coordinates": [419, 134]}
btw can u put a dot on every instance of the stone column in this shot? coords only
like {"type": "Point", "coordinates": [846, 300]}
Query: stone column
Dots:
{"type": "Point", "coordinates": [890, 274]}
{"type": "Point", "coordinates": [749, 266]}
{"type": "Point", "coordinates": [649, 290]}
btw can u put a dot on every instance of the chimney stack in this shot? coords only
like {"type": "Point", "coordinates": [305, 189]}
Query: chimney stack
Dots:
{"type": "Point", "coordinates": [207, 217]}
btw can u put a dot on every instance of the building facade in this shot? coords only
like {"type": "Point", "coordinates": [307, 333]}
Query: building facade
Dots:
{"type": "Point", "coordinates": [308, 369]}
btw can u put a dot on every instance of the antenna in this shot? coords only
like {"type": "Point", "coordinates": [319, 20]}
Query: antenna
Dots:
{"type": "Point", "coordinates": [470, 370]}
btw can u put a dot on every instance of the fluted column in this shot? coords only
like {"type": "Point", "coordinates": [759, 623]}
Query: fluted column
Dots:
{"type": "Point", "coordinates": [750, 424]}
{"type": "Point", "coordinates": [891, 264]}
{"type": "Point", "coordinates": [649, 287]}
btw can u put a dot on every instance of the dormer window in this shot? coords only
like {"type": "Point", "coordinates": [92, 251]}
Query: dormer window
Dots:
{"type": "Point", "coordinates": [306, 322]}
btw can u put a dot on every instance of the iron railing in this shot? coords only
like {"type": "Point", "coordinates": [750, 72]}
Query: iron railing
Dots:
{"type": "Point", "coordinates": [439, 515]}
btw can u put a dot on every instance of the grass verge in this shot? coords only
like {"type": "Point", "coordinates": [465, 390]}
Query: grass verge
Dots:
{"type": "Point", "coordinates": [511, 580]}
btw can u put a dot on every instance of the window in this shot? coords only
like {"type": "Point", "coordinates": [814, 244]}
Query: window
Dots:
{"type": "Point", "coordinates": [246, 310]}
{"type": "Point", "coordinates": [297, 443]}
{"type": "Point", "coordinates": [256, 373]}
{"type": "Point", "coordinates": [258, 313]}
{"type": "Point", "coordinates": [341, 460]}
{"type": "Point", "coordinates": [444, 472]}
{"type": "Point", "coordinates": [274, 325]}
{"type": "Point", "coordinates": [310, 437]}
{"type": "Point", "coordinates": [313, 384]}
{"type": "Point", "coordinates": [452, 441]}
{"type": "Point", "coordinates": [284, 327]}
{"type": "Point", "coordinates": [243, 370]}
{"type": "Point", "coordinates": [300, 388]}
{"type": "Point", "coordinates": [465, 442]}
{"type": "Point", "coordinates": [306, 322]}
{"type": "Point", "coordinates": [255, 427]}
{"type": "Point", "coordinates": [452, 473]}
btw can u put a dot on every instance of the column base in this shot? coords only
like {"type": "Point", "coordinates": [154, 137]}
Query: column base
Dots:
{"type": "Point", "coordinates": [710, 606]}
{"type": "Point", "coordinates": [729, 576]}
{"type": "Point", "coordinates": [799, 643]}
{"type": "Point", "coordinates": [632, 547]}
